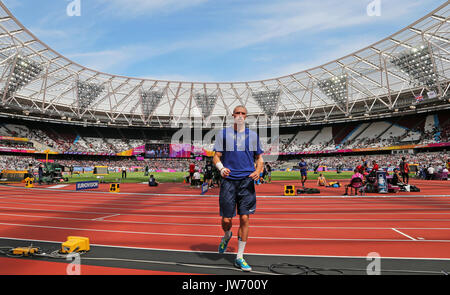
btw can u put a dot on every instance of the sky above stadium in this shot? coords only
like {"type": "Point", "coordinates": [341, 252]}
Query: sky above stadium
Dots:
{"type": "Point", "coordinates": [205, 40]}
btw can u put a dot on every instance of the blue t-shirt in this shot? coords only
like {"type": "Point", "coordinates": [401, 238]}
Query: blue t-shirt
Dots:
{"type": "Point", "coordinates": [238, 151]}
{"type": "Point", "coordinates": [302, 165]}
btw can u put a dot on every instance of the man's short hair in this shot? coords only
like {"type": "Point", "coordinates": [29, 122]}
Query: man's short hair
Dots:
{"type": "Point", "coordinates": [240, 106]}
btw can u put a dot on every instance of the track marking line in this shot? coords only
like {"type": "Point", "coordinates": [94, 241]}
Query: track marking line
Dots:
{"type": "Point", "coordinates": [59, 186]}
{"type": "Point", "coordinates": [210, 236]}
{"type": "Point", "coordinates": [215, 217]}
{"type": "Point", "coordinates": [396, 230]}
{"type": "Point", "coordinates": [204, 196]}
{"type": "Point", "coordinates": [232, 253]}
{"type": "Point", "coordinates": [261, 211]}
{"type": "Point", "coordinates": [50, 201]}
{"type": "Point", "coordinates": [103, 218]}
{"type": "Point", "coordinates": [215, 225]}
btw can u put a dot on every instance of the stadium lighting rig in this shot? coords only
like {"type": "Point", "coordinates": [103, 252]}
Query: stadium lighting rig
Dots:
{"type": "Point", "coordinates": [88, 93]}
{"type": "Point", "coordinates": [418, 64]}
{"type": "Point", "coordinates": [206, 103]}
{"type": "Point", "coordinates": [267, 100]}
{"type": "Point", "coordinates": [150, 101]}
{"type": "Point", "coordinates": [23, 71]}
{"type": "Point", "coordinates": [335, 88]}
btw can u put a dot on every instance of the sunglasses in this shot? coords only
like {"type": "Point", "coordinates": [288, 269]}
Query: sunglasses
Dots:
{"type": "Point", "coordinates": [240, 113]}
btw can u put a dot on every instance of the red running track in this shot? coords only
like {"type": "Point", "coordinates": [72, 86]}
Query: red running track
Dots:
{"type": "Point", "coordinates": [428, 187]}
{"type": "Point", "coordinates": [393, 225]}
{"type": "Point", "coordinates": [32, 267]}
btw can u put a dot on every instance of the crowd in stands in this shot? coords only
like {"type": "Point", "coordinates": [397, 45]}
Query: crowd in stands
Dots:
{"type": "Point", "coordinates": [321, 139]}
{"type": "Point", "coordinates": [16, 144]}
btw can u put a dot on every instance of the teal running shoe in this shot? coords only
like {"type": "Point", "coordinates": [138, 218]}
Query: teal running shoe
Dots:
{"type": "Point", "coordinates": [242, 264]}
{"type": "Point", "coordinates": [224, 244]}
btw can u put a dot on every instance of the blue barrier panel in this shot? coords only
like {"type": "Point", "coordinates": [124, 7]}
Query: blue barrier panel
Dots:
{"type": "Point", "coordinates": [204, 188]}
{"type": "Point", "coordinates": [82, 185]}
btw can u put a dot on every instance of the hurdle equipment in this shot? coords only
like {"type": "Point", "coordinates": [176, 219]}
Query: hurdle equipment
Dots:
{"type": "Point", "coordinates": [29, 182]}
{"type": "Point", "coordinates": [289, 190]}
{"type": "Point", "coordinates": [75, 244]}
{"type": "Point", "coordinates": [100, 170]}
{"type": "Point", "coordinates": [114, 188]}
{"type": "Point", "coordinates": [13, 176]}
{"type": "Point", "coordinates": [24, 251]}
{"type": "Point", "coordinates": [308, 191]}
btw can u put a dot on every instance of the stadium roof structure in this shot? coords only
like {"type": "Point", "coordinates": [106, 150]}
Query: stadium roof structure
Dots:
{"type": "Point", "coordinates": [406, 72]}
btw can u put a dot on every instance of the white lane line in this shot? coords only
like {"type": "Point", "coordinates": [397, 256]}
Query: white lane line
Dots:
{"type": "Point", "coordinates": [211, 236]}
{"type": "Point", "coordinates": [94, 203]}
{"type": "Point", "coordinates": [280, 196]}
{"type": "Point", "coordinates": [103, 218]}
{"type": "Point", "coordinates": [229, 253]}
{"type": "Point", "coordinates": [149, 214]}
{"type": "Point", "coordinates": [59, 186]}
{"type": "Point", "coordinates": [262, 211]}
{"type": "Point", "coordinates": [182, 203]}
{"type": "Point", "coordinates": [215, 225]}
{"type": "Point", "coordinates": [396, 230]}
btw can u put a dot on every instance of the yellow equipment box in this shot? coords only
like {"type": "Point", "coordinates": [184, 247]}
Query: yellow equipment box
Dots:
{"type": "Point", "coordinates": [75, 244]}
{"type": "Point", "coordinates": [289, 190]}
{"type": "Point", "coordinates": [114, 188]}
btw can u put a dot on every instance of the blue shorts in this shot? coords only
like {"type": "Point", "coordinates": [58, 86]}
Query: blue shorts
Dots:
{"type": "Point", "coordinates": [303, 172]}
{"type": "Point", "coordinates": [237, 194]}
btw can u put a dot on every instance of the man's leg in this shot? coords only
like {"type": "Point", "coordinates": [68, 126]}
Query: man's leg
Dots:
{"type": "Point", "coordinates": [246, 203]}
{"type": "Point", "coordinates": [243, 227]}
{"type": "Point", "coordinates": [242, 234]}
{"type": "Point", "coordinates": [226, 226]}
{"type": "Point", "coordinates": [227, 206]}
{"type": "Point", "coordinates": [242, 241]}
{"type": "Point", "coordinates": [227, 223]}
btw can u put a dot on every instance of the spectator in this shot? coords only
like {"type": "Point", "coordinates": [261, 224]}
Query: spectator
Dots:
{"type": "Point", "coordinates": [152, 181]}
{"type": "Point", "coordinates": [191, 171]}
{"type": "Point", "coordinates": [40, 173]}
{"type": "Point", "coordinates": [396, 178]}
{"type": "Point", "coordinates": [430, 171]}
{"type": "Point", "coordinates": [208, 175]}
{"type": "Point", "coordinates": [356, 177]}
{"type": "Point", "coordinates": [444, 175]}
{"type": "Point", "coordinates": [269, 172]}
{"type": "Point", "coordinates": [404, 169]}
{"type": "Point", "coordinates": [196, 178]}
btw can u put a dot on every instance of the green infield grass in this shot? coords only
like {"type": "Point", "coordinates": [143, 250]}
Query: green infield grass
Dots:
{"type": "Point", "coordinates": [138, 177]}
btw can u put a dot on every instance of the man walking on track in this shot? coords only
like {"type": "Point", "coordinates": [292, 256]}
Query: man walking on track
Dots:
{"type": "Point", "coordinates": [303, 171]}
{"type": "Point", "coordinates": [236, 150]}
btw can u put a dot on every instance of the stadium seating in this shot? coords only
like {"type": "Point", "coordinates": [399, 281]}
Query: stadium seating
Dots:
{"type": "Point", "coordinates": [418, 129]}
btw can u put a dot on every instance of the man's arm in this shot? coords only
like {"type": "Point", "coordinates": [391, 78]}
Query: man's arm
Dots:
{"type": "Point", "coordinates": [224, 172]}
{"type": "Point", "coordinates": [259, 167]}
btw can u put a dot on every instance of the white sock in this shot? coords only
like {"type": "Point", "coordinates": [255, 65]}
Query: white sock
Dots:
{"type": "Point", "coordinates": [227, 234]}
{"type": "Point", "coordinates": [241, 247]}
